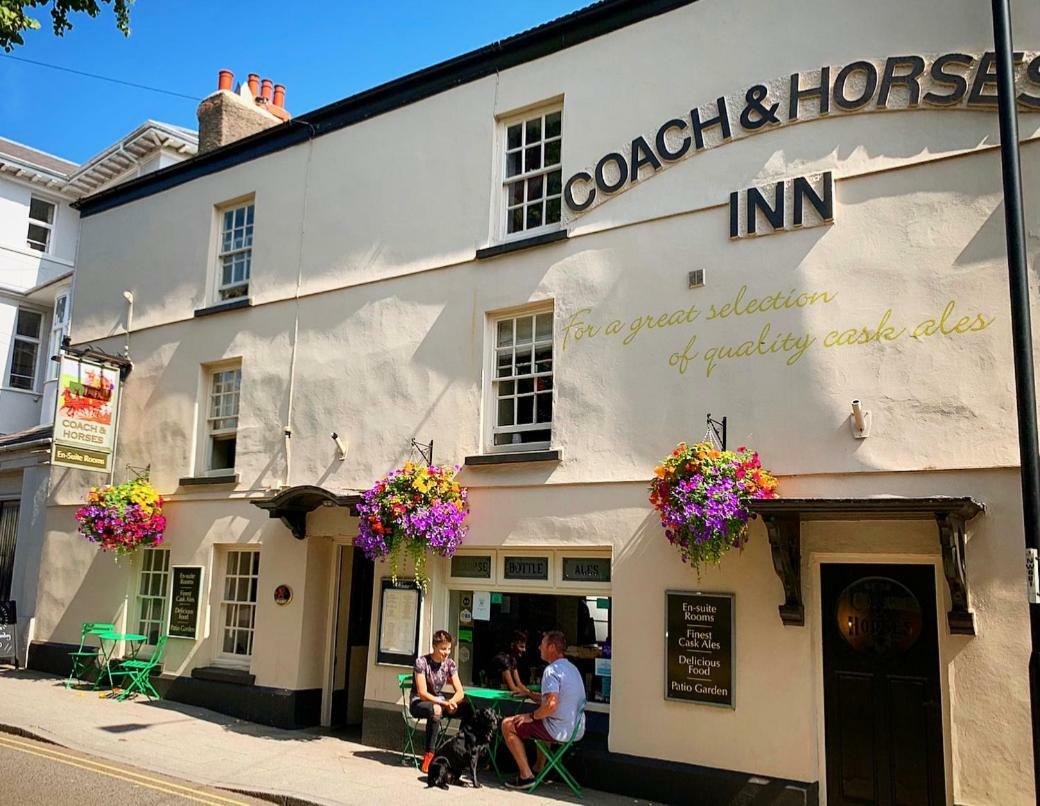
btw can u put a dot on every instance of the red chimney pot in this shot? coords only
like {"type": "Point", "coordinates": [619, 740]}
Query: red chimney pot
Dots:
{"type": "Point", "coordinates": [279, 95]}
{"type": "Point", "coordinates": [254, 85]}
{"type": "Point", "coordinates": [224, 80]}
{"type": "Point", "coordinates": [265, 90]}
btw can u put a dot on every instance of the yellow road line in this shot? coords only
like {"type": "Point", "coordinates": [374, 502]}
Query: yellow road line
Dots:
{"type": "Point", "coordinates": [166, 787]}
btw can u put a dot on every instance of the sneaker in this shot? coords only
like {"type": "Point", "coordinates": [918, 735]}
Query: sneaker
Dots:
{"type": "Point", "coordinates": [519, 783]}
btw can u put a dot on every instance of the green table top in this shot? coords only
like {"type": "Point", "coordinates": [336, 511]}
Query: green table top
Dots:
{"type": "Point", "coordinates": [491, 693]}
{"type": "Point", "coordinates": [123, 636]}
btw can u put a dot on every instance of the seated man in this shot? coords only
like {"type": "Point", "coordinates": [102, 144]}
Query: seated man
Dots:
{"type": "Point", "coordinates": [561, 707]}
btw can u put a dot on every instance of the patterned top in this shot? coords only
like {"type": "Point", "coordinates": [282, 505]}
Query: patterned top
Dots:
{"type": "Point", "coordinates": [436, 674]}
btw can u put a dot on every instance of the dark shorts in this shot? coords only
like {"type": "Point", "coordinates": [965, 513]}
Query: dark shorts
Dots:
{"type": "Point", "coordinates": [535, 729]}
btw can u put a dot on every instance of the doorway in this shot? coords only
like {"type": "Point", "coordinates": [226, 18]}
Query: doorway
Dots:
{"type": "Point", "coordinates": [353, 627]}
{"type": "Point", "coordinates": [882, 693]}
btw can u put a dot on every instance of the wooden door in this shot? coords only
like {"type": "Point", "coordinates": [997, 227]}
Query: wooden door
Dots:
{"type": "Point", "coordinates": [882, 698]}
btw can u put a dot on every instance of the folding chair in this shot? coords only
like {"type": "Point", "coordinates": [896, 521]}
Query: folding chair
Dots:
{"type": "Point", "coordinates": [140, 671]}
{"type": "Point", "coordinates": [85, 659]}
{"type": "Point", "coordinates": [412, 724]}
{"type": "Point", "coordinates": [554, 760]}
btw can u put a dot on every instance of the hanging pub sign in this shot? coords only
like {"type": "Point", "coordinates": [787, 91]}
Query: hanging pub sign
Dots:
{"type": "Point", "coordinates": [185, 600]}
{"type": "Point", "coordinates": [85, 415]}
{"type": "Point", "coordinates": [699, 648]}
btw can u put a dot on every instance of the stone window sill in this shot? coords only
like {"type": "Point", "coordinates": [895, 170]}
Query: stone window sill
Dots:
{"type": "Point", "coordinates": [517, 457]}
{"type": "Point", "coordinates": [191, 481]}
{"type": "Point", "coordinates": [522, 243]}
{"type": "Point", "coordinates": [233, 305]}
{"type": "Point", "coordinates": [218, 674]}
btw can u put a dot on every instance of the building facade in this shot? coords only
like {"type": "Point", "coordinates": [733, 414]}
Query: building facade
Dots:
{"type": "Point", "coordinates": [554, 257]}
{"type": "Point", "coordinates": [39, 238]}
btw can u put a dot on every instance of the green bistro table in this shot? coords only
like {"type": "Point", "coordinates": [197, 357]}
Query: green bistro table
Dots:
{"type": "Point", "coordinates": [105, 653]}
{"type": "Point", "coordinates": [494, 698]}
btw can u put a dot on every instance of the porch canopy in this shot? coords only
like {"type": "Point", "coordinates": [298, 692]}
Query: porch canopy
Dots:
{"type": "Point", "coordinates": [783, 519]}
{"type": "Point", "coordinates": [294, 503]}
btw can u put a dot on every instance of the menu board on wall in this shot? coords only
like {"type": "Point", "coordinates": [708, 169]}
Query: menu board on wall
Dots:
{"type": "Point", "coordinates": [185, 599]}
{"type": "Point", "coordinates": [399, 609]}
{"type": "Point", "coordinates": [699, 647]}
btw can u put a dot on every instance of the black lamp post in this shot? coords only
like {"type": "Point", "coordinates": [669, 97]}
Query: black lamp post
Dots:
{"type": "Point", "coordinates": [1021, 335]}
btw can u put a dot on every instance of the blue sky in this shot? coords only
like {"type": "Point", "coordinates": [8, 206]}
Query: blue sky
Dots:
{"type": "Point", "coordinates": [321, 52]}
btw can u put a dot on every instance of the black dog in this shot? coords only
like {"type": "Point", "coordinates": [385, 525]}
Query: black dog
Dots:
{"type": "Point", "coordinates": [464, 751]}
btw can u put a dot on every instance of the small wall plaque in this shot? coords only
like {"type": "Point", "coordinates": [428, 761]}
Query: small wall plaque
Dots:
{"type": "Point", "coordinates": [282, 595]}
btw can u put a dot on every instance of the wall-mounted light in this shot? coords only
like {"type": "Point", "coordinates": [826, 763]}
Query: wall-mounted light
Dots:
{"type": "Point", "coordinates": [341, 446]}
{"type": "Point", "coordinates": [859, 421]}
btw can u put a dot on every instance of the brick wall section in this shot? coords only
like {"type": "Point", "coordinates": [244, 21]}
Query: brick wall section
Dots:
{"type": "Point", "coordinates": [225, 117]}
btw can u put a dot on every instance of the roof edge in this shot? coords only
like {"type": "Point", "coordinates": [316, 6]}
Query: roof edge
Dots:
{"type": "Point", "coordinates": [573, 29]}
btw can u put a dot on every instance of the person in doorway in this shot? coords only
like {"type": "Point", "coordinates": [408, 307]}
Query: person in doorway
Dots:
{"type": "Point", "coordinates": [431, 674]}
{"type": "Point", "coordinates": [506, 666]}
{"type": "Point", "coordinates": [561, 708]}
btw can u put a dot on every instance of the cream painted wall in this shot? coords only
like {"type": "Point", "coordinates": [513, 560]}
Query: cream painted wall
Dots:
{"type": "Point", "coordinates": [377, 225]}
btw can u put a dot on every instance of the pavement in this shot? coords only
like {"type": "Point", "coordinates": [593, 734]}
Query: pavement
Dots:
{"type": "Point", "coordinates": [295, 768]}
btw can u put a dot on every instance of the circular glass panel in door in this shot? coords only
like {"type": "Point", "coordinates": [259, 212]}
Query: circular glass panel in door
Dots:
{"type": "Point", "coordinates": [878, 615]}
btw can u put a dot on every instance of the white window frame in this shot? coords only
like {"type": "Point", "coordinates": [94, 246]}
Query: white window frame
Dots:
{"type": "Point", "coordinates": [148, 572]}
{"type": "Point", "coordinates": [227, 249]}
{"type": "Point", "coordinates": [492, 428]}
{"type": "Point", "coordinates": [231, 659]}
{"type": "Point", "coordinates": [210, 433]}
{"type": "Point", "coordinates": [47, 225]}
{"type": "Point", "coordinates": [16, 337]}
{"type": "Point", "coordinates": [59, 327]}
{"type": "Point", "coordinates": [505, 181]}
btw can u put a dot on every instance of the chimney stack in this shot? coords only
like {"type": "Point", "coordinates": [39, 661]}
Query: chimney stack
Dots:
{"type": "Point", "coordinates": [227, 115]}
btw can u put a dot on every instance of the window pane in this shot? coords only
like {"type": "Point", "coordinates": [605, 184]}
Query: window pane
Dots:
{"type": "Point", "coordinates": [38, 238]}
{"type": "Point", "coordinates": [525, 386]}
{"type": "Point", "coordinates": [507, 388]}
{"type": "Point", "coordinates": [223, 454]}
{"type": "Point", "coordinates": [523, 362]}
{"type": "Point", "coordinates": [516, 220]}
{"type": "Point", "coordinates": [256, 562]}
{"type": "Point", "coordinates": [524, 326]}
{"type": "Point", "coordinates": [252, 587]}
{"type": "Point", "coordinates": [516, 194]}
{"type": "Point", "coordinates": [245, 617]}
{"type": "Point", "coordinates": [545, 408]}
{"type": "Point", "coordinates": [505, 364]}
{"type": "Point", "coordinates": [23, 365]}
{"type": "Point", "coordinates": [524, 410]}
{"type": "Point", "coordinates": [552, 153]}
{"type": "Point", "coordinates": [552, 211]}
{"type": "Point", "coordinates": [513, 163]}
{"type": "Point", "coordinates": [534, 130]}
{"type": "Point", "coordinates": [552, 124]}
{"type": "Point", "coordinates": [505, 333]}
{"type": "Point", "coordinates": [544, 326]}
{"type": "Point", "coordinates": [543, 383]}
{"type": "Point", "coordinates": [543, 359]}
{"type": "Point", "coordinates": [534, 216]}
{"type": "Point", "coordinates": [28, 323]}
{"type": "Point", "coordinates": [240, 217]}
{"type": "Point", "coordinates": [229, 642]}
{"type": "Point", "coordinates": [533, 158]}
{"type": "Point", "coordinates": [554, 182]}
{"type": "Point", "coordinates": [513, 135]}
{"type": "Point", "coordinates": [534, 188]}
{"type": "Point", "coordinates": [41, 210]}
{"type": "Point", "coordinates": [505, 411]}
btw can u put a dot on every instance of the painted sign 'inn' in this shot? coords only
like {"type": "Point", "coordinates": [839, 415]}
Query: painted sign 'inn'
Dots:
{"type": "Point", "coordinates": [556, 258]}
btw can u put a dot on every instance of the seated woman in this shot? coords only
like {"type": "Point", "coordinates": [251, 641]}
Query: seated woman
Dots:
{"type": "Point", "coordinates": [432, 672]}
{"type": "Point", "coordinates": [506, 666]}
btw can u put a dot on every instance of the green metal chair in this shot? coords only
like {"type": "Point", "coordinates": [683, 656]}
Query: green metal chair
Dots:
{"type": "Point", "coordinates": [140, 671]}
{"type": "Point", "coordinates": [85, 659]}
{"type": "Point", "coordinates": [554, 760]}
{"type": "Point", "coordinates": [412, 724]}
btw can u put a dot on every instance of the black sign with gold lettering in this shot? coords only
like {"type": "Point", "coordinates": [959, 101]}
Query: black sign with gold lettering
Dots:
{"type": "Point", "coordinates": [185, 596]}
{"type": "Point", "coordinates": [586, 569]}
{"type": "Point", "coordinates": [699, 648]}
{"type": "Point", "coordinates": [532, 568]}
{"type": "Point", "coordinates": [471, 566]}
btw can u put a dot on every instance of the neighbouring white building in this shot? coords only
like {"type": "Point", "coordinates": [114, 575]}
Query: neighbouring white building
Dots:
{"type": "Point", "coordinates": [554, 257]}
{"type": "Point", "coordinates": [39, 238]}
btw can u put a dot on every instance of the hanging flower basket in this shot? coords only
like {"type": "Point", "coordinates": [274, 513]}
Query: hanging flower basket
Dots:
{"type": "Point", "coordinates": [124, 517]}
{"type": "Point", "coordinates": [702, 496]}
{"type": "Point", "coordinates": [412, 511]}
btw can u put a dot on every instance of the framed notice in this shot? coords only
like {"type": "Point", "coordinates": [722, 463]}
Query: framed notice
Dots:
{"type": "Point", "coordinates": [400, 605]}
{"type": "Point", "coordinates": [699, 648]}
{"type": "Point", "coordinates": [185, 601]}
{"type": "Point", "coordinates": [85, 415]}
